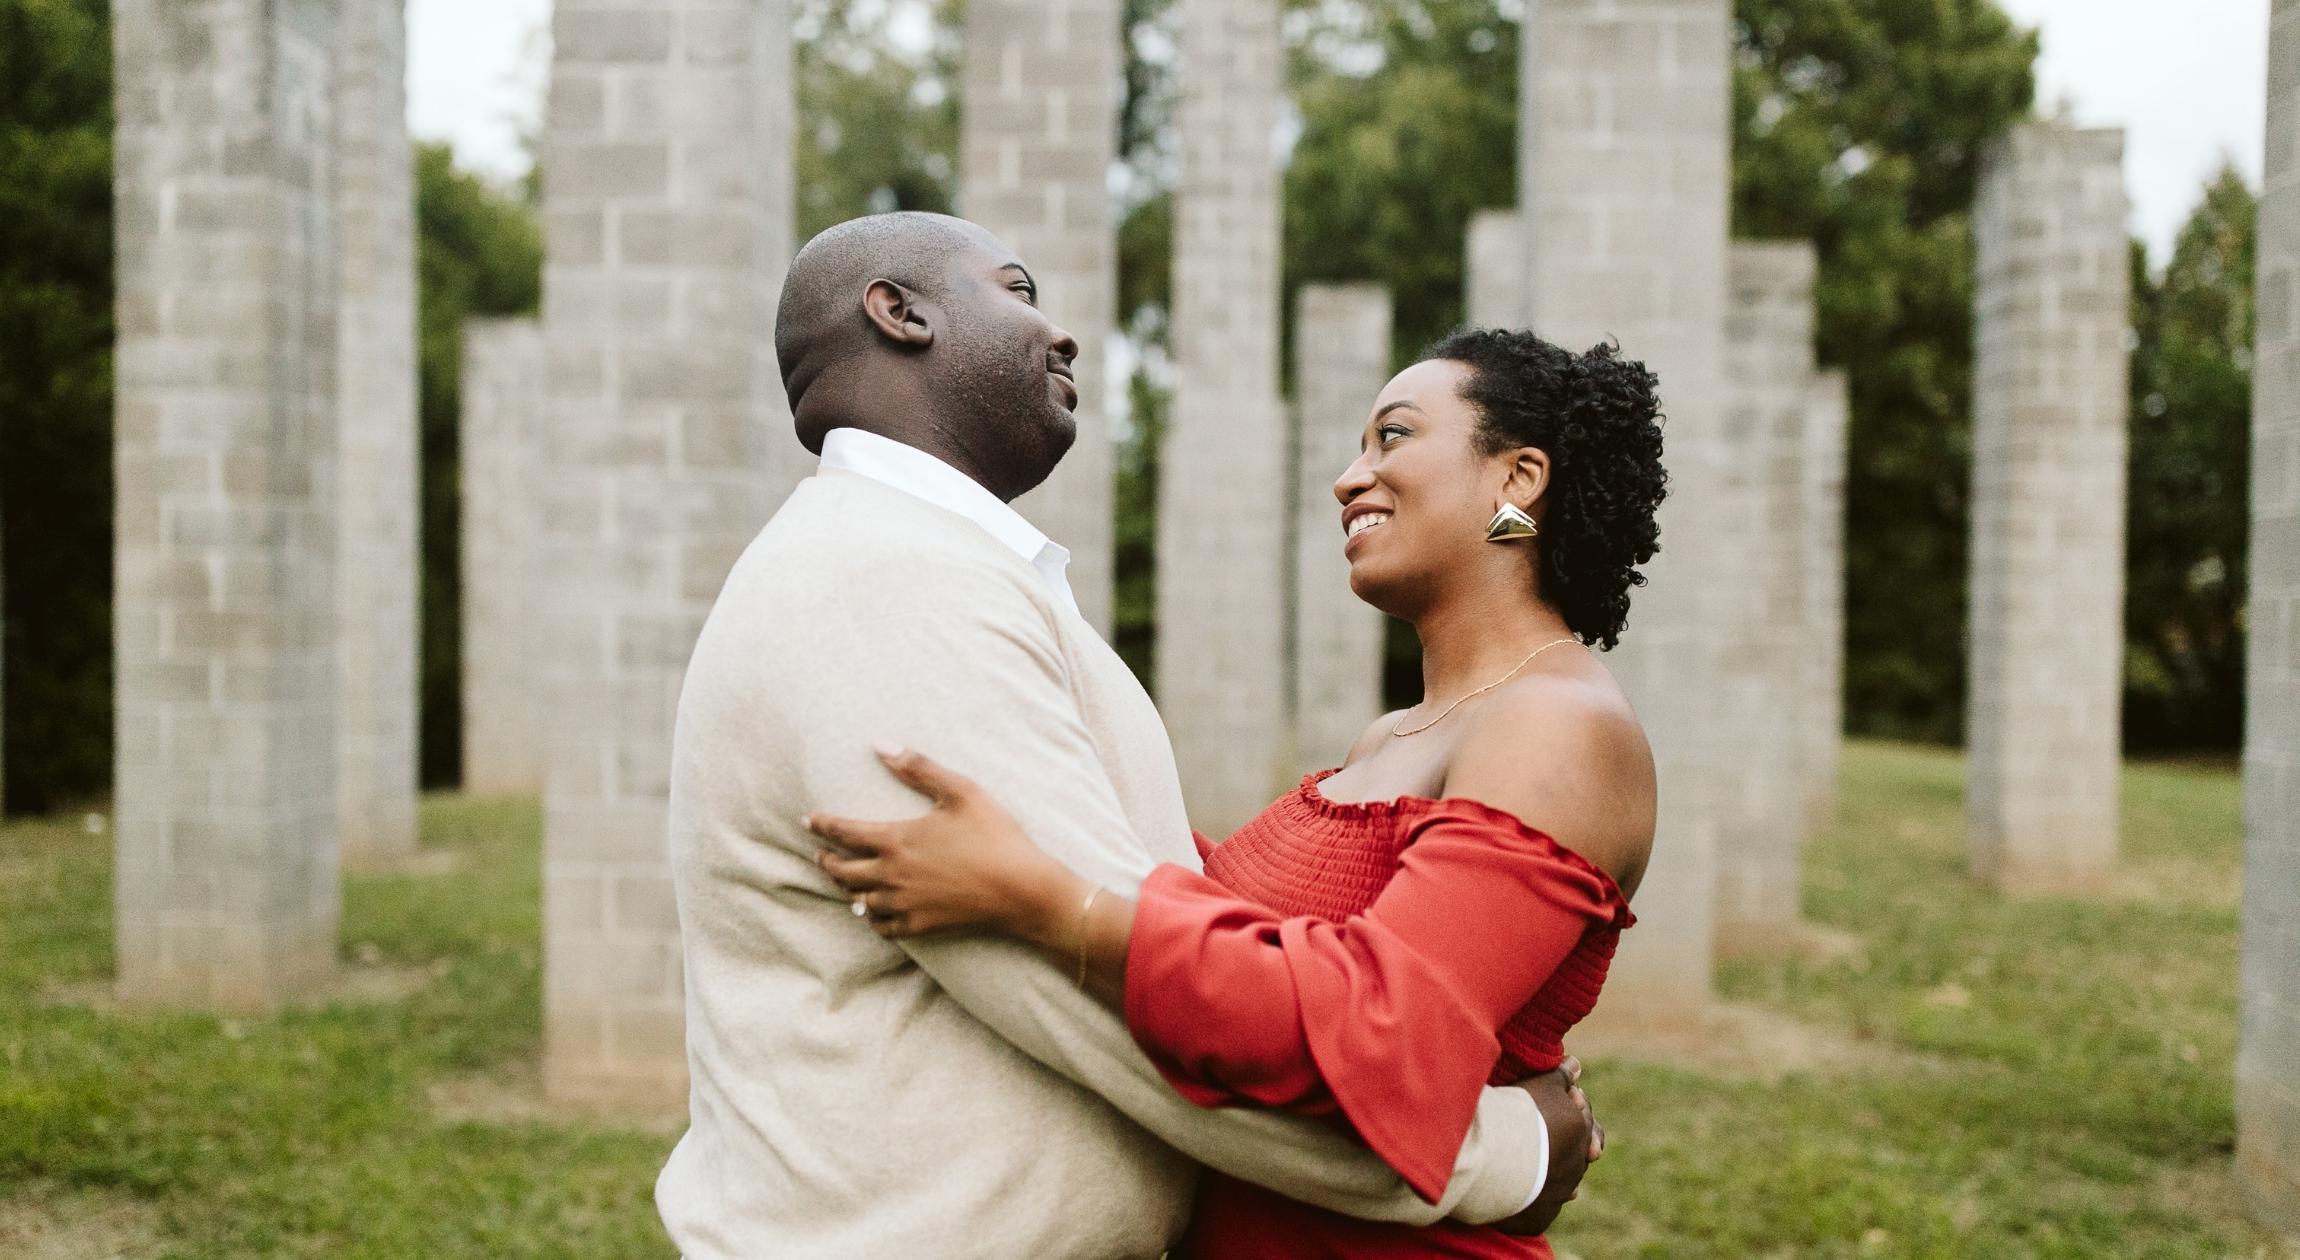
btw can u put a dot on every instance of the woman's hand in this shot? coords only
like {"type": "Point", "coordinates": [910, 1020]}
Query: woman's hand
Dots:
{"type": "Point", "coordinates": [965, 863]}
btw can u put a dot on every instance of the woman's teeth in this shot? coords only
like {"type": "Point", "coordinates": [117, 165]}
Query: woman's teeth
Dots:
{"type": "Point", "coordinates": [1360, 524]}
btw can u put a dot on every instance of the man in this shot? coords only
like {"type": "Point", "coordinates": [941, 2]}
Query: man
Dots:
{"type": "Point", "coordinates": [951, 1096]}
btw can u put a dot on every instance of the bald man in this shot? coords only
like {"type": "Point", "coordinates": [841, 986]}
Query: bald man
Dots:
{"type": "Point", "coordinates": [955, 1095]}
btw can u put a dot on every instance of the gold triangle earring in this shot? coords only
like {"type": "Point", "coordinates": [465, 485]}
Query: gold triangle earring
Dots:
{"type": "Point", "coordinates": [1511, 524]}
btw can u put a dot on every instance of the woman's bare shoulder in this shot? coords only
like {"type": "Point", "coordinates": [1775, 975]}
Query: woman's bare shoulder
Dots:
{"type": "Point", "coordinates": [1566, 753]}
{"type": "Point", "coordinates": [1371, 738]}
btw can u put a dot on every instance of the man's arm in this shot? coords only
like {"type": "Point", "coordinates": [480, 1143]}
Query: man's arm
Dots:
{"type": "Point", "coordinates": [966, 669]}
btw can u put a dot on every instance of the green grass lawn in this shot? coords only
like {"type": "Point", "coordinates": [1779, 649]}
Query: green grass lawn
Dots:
{"type": "Point", "coordinates": [2049, 1079]}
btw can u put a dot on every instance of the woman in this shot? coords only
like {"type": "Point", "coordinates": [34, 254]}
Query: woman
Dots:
{"type": "Point", "coordinates": [1433, 915]}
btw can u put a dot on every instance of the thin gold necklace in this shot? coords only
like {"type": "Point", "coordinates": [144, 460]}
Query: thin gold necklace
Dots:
{"type": "Point", "coordinates": [1488, 687]}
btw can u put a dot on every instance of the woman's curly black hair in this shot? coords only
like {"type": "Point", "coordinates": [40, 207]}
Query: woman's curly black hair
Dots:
{"type": "Point", "coordinates": [1598, 416]}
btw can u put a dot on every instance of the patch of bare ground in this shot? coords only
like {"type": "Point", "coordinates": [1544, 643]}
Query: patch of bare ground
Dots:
{"type": "Point", "coordinates": [367, 981]}
{"type": "Point", "coordinates": [48, 1222]}
{"type": "Point", "coordinates": [2186, 883]}
{"type": "Point", "coordinates": [2208, 1192]}
{"type": "Point", "coordinates": [511, 1095]}
{"type": "Point", "coordinates": [1736, 1041]}
{"type": "Point", "coordinates": [422, 862]}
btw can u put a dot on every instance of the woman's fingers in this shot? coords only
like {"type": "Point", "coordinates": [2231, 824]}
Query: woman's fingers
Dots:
{"type": "Point", "coordinates": [858, 837]}
{"type": "Point", "coordinates": [854, 874]}
{"type": "Point", "coordinates": [925, 775]}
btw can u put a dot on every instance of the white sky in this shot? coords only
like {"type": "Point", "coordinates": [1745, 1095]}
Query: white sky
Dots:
{"type": "Point", "coordinates": [2184, 78]}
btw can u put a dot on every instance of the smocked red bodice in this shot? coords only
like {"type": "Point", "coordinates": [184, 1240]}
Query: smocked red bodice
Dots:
{"type": "Point", "coordinates": [1374, 963]}
{"type": "Point", "coordinates": [1309, 855]}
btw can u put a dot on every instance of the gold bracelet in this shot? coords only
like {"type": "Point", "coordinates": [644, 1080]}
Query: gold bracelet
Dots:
{"type": "Point", "coordinates": [1083, 912]}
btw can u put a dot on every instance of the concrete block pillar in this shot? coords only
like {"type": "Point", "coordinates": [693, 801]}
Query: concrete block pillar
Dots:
{"type": "Point", "coordinates": [2268, 985]}
{"type": "Point", "coordinates": [1221, 493]}
{"type": "Point", "coordinates": [1039, 135]}
{"type": "Point", "coordinates": [666, 191]}
{"type": "Point", "coordinates": [501, 443]}
{"type": "Point", "coordinates": [1759, 584]}
{"type": "Point", "coordinates": [1828, 421]}
{"type": "Point", "coordinates": [2049, 418]}
{"type": "Point", "coordinates": [225, 456]}
{"type": "Point", "coordinates": [1495, 276]}
{"type": "Point", "coordinates": [376, 556]}
{"type": "Point", "coordinates": [1341, 361]}
{"type": "Point", "coordinates": [1625, 141]}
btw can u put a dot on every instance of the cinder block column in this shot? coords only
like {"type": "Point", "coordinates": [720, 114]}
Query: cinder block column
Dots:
{"type": "Point", "coordinates": [1760, 588]}
{"type": "Point", "coordinates": [1828, 420]}
{"type": "Point", "coordinates": [2268, 1043]}
{"type": "Point", "coordinates": [502, 434]}
{"type": "Point", "coordinates": [667, 212]}
{"type": "Point", "coordinates": [1625, 139]}
{"type": "Point", "coordinates": [1040, 131]}
{"type": "Point", "coordinates": [376, 561]}
{"type": "Point", "coordinates": [1341, 361]}
{"type": "Point", "coordinates": [1495, 273]}
{"type": "Point", "coordinates": [225, 450]}
{"type": "Point", "coordinates": [1221, 489]}
{"type": "Point", "coordinates": [2049, 416]}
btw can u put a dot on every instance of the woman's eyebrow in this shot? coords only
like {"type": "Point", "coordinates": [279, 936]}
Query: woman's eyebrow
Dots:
{"type": "Point", "coordinates": [1389, 407]}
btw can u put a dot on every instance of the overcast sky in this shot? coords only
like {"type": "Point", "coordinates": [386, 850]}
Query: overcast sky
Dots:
{"type": "Point", "coordinates": [2184, 78]}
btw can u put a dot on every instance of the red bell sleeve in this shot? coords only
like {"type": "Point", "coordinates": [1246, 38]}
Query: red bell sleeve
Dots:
{"type": "Point", "coordinates": [1392, 1015]}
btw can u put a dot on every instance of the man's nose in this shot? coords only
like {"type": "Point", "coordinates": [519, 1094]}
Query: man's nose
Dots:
{"type": "Point", "coordinates": [1065, 344]}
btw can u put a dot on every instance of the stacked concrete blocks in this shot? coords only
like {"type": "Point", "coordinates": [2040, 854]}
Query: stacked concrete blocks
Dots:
{"type": "Point", "coordinates": [2049, 416]}
{"type": "Point", "coordinates": [1341, 362]}
{"type": "Point", "coordinates": [1040, 132]}
{"type": "Point", "coordinates": [376, 565]}
{"type": "Point", "coordinates": [225, 407]}
{"type": "Point", "coordinates": [2268, 984]}
{"type": "Point", "coordinates": [667, 218]}
{"type": "Point", "coordinates": [1494, 279]}
{"type": "Point", "coordinates": [1828, 419]}
{"type": "Point", "coordinates": [1221, 512]}
{"type": "Point", "coordinates": [501, 446]}
{"type": "Point", "coordinates": [1760, 589]}
{"type": "Point", "coordinates": [1623, 174]}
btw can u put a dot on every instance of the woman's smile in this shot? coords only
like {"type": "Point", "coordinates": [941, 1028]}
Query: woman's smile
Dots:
{"type": "Point", "coordinates": [1359, 521]}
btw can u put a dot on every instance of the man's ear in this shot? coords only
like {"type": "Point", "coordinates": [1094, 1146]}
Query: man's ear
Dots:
{"type": "Point", "coordinates": [895, 312]}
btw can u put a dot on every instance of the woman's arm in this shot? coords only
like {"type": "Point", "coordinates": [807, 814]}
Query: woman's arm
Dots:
{"type": "Point", "coordinates": [1390, 1016]}
{"type": "Point", "coordinates": [969, 864]}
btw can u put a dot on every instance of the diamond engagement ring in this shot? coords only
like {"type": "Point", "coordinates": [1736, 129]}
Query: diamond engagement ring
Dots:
{"type": "Point", "coordinates": [861, 910]}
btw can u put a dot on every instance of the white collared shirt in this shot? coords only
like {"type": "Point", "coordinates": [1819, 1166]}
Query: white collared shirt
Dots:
{"type": "Point", "coordinates": [914, 472]}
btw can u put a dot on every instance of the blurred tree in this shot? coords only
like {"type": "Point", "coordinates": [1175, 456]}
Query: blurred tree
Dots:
{"type": "Point", "coordinates": [56, 400]}
{"type": "Point", "coordinates": [878, 116]}
{"type": "Point", "coordinates": [1409, 127]}
{"type": "Point", "coordinates": [479, 252]}
{"type": "Point", "coordinates": [1858, 124]}
{"type": "Point", "coordinates": [2191, 448]}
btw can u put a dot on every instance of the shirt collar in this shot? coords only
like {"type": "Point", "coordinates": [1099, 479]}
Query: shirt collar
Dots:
{"type": "Point", "coordinates": [913, 471]}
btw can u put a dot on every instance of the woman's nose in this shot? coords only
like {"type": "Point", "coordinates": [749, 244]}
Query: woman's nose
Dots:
{"type": "Point", "coordinates": [1355, 480]}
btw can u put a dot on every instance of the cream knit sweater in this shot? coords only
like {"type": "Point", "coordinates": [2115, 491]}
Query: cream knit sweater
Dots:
{"type": "Point", "coordinates": [956, 1096]}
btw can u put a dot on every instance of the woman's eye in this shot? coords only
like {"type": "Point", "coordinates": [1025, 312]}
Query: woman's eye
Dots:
{"type": "Point", "coordinates": [1388, 431]}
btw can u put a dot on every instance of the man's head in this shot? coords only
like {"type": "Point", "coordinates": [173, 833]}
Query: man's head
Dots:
{"type": "Point", "coordinates": [926, 329]}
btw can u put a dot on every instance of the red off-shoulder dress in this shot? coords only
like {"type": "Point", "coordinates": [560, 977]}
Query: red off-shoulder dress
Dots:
{"type": "Point", "coordinates": [1378, 962]}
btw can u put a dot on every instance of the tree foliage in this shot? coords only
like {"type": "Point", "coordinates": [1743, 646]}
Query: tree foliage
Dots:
{"type": "Point", "coordinates": [56, 399]}
{"type": "Point", "coordinates": [2190, 463]}
{"type": "Point", "coordinates": [1858, 124]}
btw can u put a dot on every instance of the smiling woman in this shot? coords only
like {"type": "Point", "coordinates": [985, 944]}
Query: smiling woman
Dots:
{"type": "Point", "coordinates": [1584, 480]}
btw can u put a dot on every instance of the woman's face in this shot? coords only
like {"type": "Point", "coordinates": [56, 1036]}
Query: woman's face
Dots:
{"type": "Point", "coordinates": [1416, 502]}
